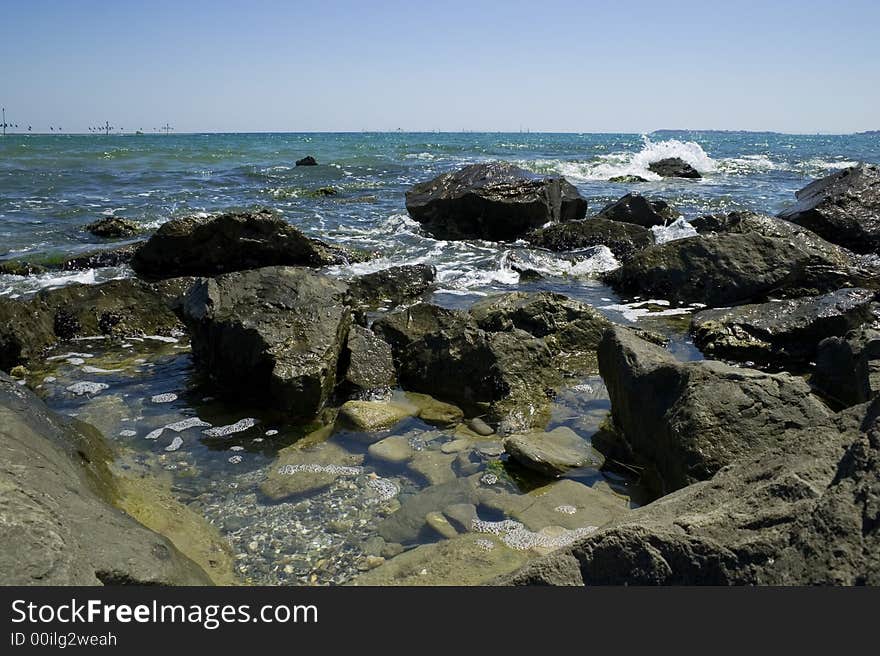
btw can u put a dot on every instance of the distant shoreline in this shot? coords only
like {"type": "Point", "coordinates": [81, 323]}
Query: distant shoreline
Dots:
{"type": "Point", "coordinates": [658, 133]}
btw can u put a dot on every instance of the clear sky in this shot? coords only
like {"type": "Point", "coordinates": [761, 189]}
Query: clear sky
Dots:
{"type": "Point", "coordinates": [546, 65]}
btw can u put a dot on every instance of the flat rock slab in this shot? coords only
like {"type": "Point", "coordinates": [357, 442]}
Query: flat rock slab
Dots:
{"type": "Point", "coordinates": [569, 504]}
{"type": "Point", "coordinates": [304, 471]}
{"type": "Point", "coordinates": [394, 450]}
{"type": "Point", "coordinates": [371, 416]}
{"type": "Point", "coordinates": [552, 453]}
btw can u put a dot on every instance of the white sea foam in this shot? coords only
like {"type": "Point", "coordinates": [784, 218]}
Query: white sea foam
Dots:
{"type": "Point", "coordinates": [15, 286]}
{"type": "Point", "coordinates": [186, 424]}
{"type": "Point", "coordinates": [678, 229]}
{"type": "Point", "coordinates": [176, 443]}
{"type": "Point", "coordinates": [87, 387]}
{"type": "Point", "coordinates": [168, 397]}
{"type": "Point", "coordinates": [238, 427]}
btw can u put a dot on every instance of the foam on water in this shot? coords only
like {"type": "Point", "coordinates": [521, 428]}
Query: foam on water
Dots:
{"type": "Point", "coordinates": [238, 427]}
{"type": "Point", "coordinates": [678, 229]}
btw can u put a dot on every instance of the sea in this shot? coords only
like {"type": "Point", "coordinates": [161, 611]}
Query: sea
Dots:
{"type": "Point", "coordinates": [164, 419]}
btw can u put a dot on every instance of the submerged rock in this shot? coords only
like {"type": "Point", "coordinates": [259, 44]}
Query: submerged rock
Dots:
{"type": "Point", "coordinates": [673, 167]}
{"type": "Point", "coordinates": [552, 453]}
{"type": "Point", "coordinates": [273, 335]}
{"type": "Point", "coordinates": [496, 201]}
{"type": "Point", "coordinates": [687, 420]}
{"type": "Point", "coordinates": [370, 416]}
{"type": "Point", "coordinates": [308, 160]}
{"type": "Point", "coordinates": [622, 239]}
{"type": "Point", "coordinates": [627, 178]}
{"type": "Point", "coordinates": [392, 286]}
{"type": "Point", "coordinates": [638, 210]}
{"type": "Point", "coordinates": [781, 332]}
{"type": "Point", "coordinates": [116, 308]}
{"type": "Point", "coordinates": [59, 525]}
{"type": "Point", "coordinates": [435, 412]}
{"type": "Point", "coordinates": [843, 207]}
{"type": "Point", "coordinates": [113, 227]}
{"type": "Point", "coordinates": [234, 241]}
{"type": "Point", "coordinates": [848, 367]}
{"type": "Point", "coordinates": [305, 470]}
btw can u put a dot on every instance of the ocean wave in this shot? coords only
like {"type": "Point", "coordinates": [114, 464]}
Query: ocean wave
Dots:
{"type": "Point", "coordinates": [17, 286]}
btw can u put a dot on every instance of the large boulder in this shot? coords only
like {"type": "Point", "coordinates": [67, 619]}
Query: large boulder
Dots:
{"type": "Point", "coordinates": [802, 512]}
{"type": "Point", "coordinates": [552, 453]}
{"type": "Point", "coordinates": [368, 361]}
{"type": "Point", "coordinates": [843, 207]}
{"type": "Point", "coordinates": [496, 201]}
{"type": "Point", "coordinates": [623, 239]}
{"type": "Point", "coordinates": [784, 332]}
{"type": "Point", "coordinates": [117, 308]}
{"type": "Point", "coordinates": [234, 241]}
{"type": "Point", "coordinates": [392, 286]}
{"type": "Point", "coordinates": [673, 167]}
{"type": "Point", "coordinates": [848, 367]}
{"type": "Point", "coordinates": [58, 525]}
{"type": "Point", "coordinates": [729, 268]}
{"type": "Point", "coordinates": [684, 421]}
{"type": "Point", "coordinates": [635, 208]}
{"type": "Point", "coordinates": [403, 327]}
{"type": "Point", "coordinates": [273, 335]}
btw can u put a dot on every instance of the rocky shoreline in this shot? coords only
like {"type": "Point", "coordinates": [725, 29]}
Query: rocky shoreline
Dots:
{"type": "Point", "coordinates": [763, 468]}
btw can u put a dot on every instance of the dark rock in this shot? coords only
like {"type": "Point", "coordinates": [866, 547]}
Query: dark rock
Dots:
{"type": "Point", "coordinates": [116, 308]}
{"type": "Point", "coordinates": [107, 257]}
{"type": "Point", "coordinates": [783, 332]}
{"type": "Point", "coordinates": [552, 453]}
{"type": "Point", "coordinates": [627, 178]}
{"type": "Point", "coordinates": [843, 207]}
{"type": "Point", "coordinates": [674, 167]}
{"type": "Point", "coordinates": [402, 328]}
{"type": "Point", "coordinates": [113, 227]}
{"type": "Point", "coordinates": [687, 420]}
{"type": "Point", "coordinates": [369, 359]}
{"type": "Point", "coordinates": [21, 268]}
{"type": "Point", "coordinates": [728, 268]}
{"type": "Point", "coordinates": [273, 335]}
{"type": "Point", "coordinates": [635, 208]}
{"type": "Point", "coordinates": [59, 527]}
{"type": "Point", "coordinates": [496, 201]}
{"type": "Point", "coordinates": [848, 367]}
{"type": "Point", "coordinates": [392, 286]}
{"type": "Point", "coordinates": [623, 239]}
{"type": "Point", "coordinates": [326, 191]}
{"type": "Point", "coordinates": [308, 160]}
{"type": "Point", "coordinates": [210, 246]}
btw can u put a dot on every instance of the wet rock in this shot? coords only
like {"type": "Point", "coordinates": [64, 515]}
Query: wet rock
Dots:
{"type": "Point", "coordinates": [302, 471]}
{"type": "Point", "coordinates": [407, 523]}
{"type": "Point", "coordinates": [569, 504]}
{"type": "Point", "coordinates": [273, 335]}
{"type": "Point", "coordinates": [843, 207]}
{"type": "Point", "coordinates": [552, 453]}
{"type": "Point", "coordinates": [394, 450]}
{"type": "Point", "coordinates": [685, 421]}
{"type": "Point", "coordinates": [797, 513]}
{"type": "Point", "coordinates": [308, 160]}
{"type": "Point", "coordinates": [392, 286]}
{"type": "Point", "coordinates": [438, 523]}
{"type": "Point", "coordinates": [434, 467]}
{"type": "Point", "coordinates": [496, 201]}
{"type": "Point", "coordinates": [848, 367]}
{"type": "Point", "coordinates": [59, 525]}
{"type": "Point", "coordinates": [464, 560]}
{"type": "Point", "coordinates": [729, 268]}
{"type": "Point", "coordinates": [784, 332]}
{"type": "Point", "coordinates": [402, 328]}
{"type": "Point", "coordinates": [627, 178]}
{"type": "Point", "coordinates": [480, 427]}
{"type": "Point", "coordinates": [636, 209]}
{"type": "Point", "coordinates": [370, 364]}
{"type": "Point", "coordinates": [113, 227]}
{"type": "Point", "coordinates": [673, 167]}
{"type": "Point", "coordinates": [434, 412]}
{"type": "Point", "coordinates": [234, 241]}
{"type": "Point", "coordinates": [116, 308]}
{"type": "Point", "coordinates": [461, 516]}
{"type": "Point", "coordinates": [370, 416]}
{"type": "Point", "coordinates": [323, 192]}
{"type": "Point", "coordinates": [623, 239]}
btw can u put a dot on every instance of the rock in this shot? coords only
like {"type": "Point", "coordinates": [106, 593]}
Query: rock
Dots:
{"type": "Point", "coordinates": [623, 239]}
{"type": "Point", "coordinates": [308, 160]}
{"type": "Point", "coordinates": [370, 416]}
{"type": "Point", "coordinates": [729, 268]}
{"type": "Point", "coordinates": [464, 560]}
{"type": "Point", "coordinates": [843, 207]}
{"type": "Point", "coordinates": [480, 427]}
{"type": "Point", "coordinates": [394, 450]}
{"type": "Point", "coordinates": [495, 201]}
{"type": "Point", "coordinates": [234, 241]}
{"type": "Point", "coordinates": [272, 335]}
{"type": "Point", "coordinates": [370, 363]}
{"type": "Point", "coordinates": [784, 332]}
{"type": "Point", "coordinates": [569, 504]}
{"type": "Point", "coordinates": [323, 192]}
{"type": "Point", "coordinates": [107, 257]}
{"type": "Point", "coordinates": [673, 167]}
{"type": "Point", "coordinates": [116, 308]}
{"type": "Point", "coordinates": [440, 525]}
{"type": "Point", "coordinates": [407, 523]}
{"type": "Point", "coordinates": [302, 471]}
{"type": "Point", "coordinates": [392, 286]}
{"type": "Point", "coordinates": [848, 367]}
{"type": "Point", "coordinates": [434, 467]}
{"type": "Point", "coordinates": [402, 328]}
{"type": "Point", "coordinates": [435, 412]}
{"type": "Point", "coordinates": [797, 513]}
{"type": "Point", "coordinates": [636, 209]}
{"type": "Point", "coordinates": [461, 516]}
{"type": "Point", "coordinates": [627, 178]}
{"type": "Point", "coordinates": [684, 421]}
{"type": "Point", "coordinates": [113, 227]}
{"type": "Point", "coordinates": [59, 527]}
{"type": "Point", "coordinates": [552, 453]}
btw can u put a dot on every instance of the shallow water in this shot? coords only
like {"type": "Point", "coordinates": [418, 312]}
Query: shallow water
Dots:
{"type": "Point", "coordinates": [146, 396]}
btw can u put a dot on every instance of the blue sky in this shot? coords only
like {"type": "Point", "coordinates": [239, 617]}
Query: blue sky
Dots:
{"type": "Point", "coordinates": [577, 66]}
